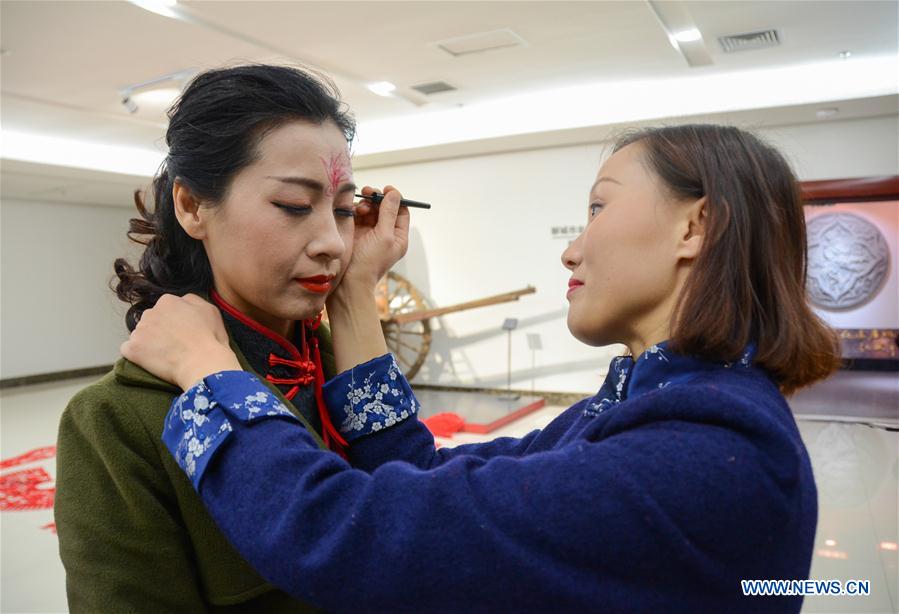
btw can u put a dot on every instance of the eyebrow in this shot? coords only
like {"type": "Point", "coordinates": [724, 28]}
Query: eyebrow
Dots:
{"type": "Point", "coordinates": [312, 184]}
{"type": "Point", "coordinates": [601, 179]}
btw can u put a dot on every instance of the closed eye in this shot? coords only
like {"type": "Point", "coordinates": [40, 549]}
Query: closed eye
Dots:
{"type": "Point", "coordinates": [345, 212]}
{"type": "Point", "coordinates": [293, 210]}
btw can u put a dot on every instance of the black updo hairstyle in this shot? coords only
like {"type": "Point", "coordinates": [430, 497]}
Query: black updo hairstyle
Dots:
{"type": "Point", "coordinates": [214, 131]}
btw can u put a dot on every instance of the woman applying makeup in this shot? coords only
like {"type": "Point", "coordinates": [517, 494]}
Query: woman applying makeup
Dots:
{"type": "Point", "coordinates": [254, 210]}
{"type": "Point", "coordinates": [683, 475]}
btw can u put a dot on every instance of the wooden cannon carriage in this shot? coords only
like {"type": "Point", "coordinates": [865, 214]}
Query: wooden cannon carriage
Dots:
{"type": "Point", "coordinates": [405, 318]}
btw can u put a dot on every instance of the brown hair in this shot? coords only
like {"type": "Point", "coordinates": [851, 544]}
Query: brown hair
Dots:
{"type": "Point", "coordinates": [748, 283]}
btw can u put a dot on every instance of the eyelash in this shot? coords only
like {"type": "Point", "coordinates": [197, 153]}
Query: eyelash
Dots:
{"type": "Point", "coordinates": [297, 211]}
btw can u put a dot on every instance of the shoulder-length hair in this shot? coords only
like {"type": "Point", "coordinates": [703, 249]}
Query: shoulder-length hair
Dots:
{"type": "Point", "coordinates": [748, 283]}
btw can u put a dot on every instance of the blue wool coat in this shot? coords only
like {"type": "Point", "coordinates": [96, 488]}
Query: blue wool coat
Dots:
{"type": "Point", "coordinates": [678, 479]}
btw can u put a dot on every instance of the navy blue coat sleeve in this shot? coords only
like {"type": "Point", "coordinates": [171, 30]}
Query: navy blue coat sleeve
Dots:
{"type": "Point", "coordinates": [564, 529]}
{"type": "Point", "coordinates": [638, 517]}
{"type": "Point", "coordinates": [375, 409]}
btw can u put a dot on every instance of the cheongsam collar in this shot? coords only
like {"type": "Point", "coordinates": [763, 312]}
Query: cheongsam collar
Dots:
{"type": "Point", "coordinates": [287, 365]}
{"type": "Point", "coordinates": [656, 368]}
{"type": "Point", "coordinates": [296, 368]}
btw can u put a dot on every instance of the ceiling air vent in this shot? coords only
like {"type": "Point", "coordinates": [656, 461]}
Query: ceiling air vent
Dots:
{"type": "Point", "coordinates": [749, 40]}
{"type": "Point", "coordinates": [483, 41]}
{"type": "Point", "coordinates": [435, 87]}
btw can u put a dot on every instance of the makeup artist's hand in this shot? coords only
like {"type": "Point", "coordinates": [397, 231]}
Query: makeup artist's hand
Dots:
{"type": "Point", "coordinates": [382, 235]}
{"type": "Point", "coordinates": [181, 340]}
{"type": "Point", "coordinates": [381, 238]}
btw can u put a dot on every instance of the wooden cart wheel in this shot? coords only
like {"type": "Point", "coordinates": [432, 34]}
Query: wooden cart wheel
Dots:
{"type": "Point", "coordinates": [409, 341]}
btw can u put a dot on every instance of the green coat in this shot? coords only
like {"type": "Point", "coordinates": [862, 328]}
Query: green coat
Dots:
{"type": "Point", "coordinates": [133, 535]}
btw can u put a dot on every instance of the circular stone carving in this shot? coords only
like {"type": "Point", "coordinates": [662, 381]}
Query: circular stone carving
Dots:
{"type": "Point", "coordinates": [848, 260]}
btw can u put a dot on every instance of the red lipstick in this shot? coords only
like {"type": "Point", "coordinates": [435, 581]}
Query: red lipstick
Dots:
{"type": "Point", "coordinates": [319, 284]}
{"type": "Point", "coordinates": [574, 284]}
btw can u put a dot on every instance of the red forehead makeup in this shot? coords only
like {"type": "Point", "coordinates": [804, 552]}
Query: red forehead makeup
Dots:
{"type": "Point", "coordinates": [338, 170]}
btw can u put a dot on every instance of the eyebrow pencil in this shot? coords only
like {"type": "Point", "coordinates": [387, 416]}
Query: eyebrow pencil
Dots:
{"type": "Point", "coordinates": [377, 197]}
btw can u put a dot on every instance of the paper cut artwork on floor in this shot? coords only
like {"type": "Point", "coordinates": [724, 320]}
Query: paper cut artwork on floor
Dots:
{"type": "Point", "coordinates": [28, 489]}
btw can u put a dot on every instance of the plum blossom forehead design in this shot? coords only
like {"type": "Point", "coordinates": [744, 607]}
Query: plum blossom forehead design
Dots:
{"type": "Point", "coordinates": [338, 169]}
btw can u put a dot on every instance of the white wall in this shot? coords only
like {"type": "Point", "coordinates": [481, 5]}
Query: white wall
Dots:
{"type": "Point", "coordinates": [58, 312]}
{"type": "Point", "coordinates": [490, 232]}
{"type": "Point", "coordinates": [840, 149]}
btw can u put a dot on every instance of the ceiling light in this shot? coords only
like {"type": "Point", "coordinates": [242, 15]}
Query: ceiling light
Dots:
{"type": "Point", "coordinates": [688, 36]}
{"type": "Point", "coordinates": [160, 98]}
{"type": "Point", "coordinates": [130, 105]}
{"type": "Point", "coordinates": [845, 55]}
{"type": "Point", "coordinates": [831, 554]}
{"type": "Point", "coordinates": [150, 93]}
{"type": "Point", "coordinates": [160, 7]}
{"type": "Point", "coordinates": [681, 30]}
{"type": "Point", "coordinates": [382, 88]}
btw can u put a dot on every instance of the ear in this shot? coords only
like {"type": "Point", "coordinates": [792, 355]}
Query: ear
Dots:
{"type": "Point", "coordinates": [188, 211]}
{"type": "Point", "coordinates": [692, 229]}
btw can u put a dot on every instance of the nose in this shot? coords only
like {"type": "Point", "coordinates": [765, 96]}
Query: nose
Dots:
{"type": "Point", "coordinates": [326, 241]}
{"type": "Point", "coordinates": [571, 257]}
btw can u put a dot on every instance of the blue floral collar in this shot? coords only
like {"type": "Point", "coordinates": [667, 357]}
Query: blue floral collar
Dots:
{"type": "Point", "coordinates": [654, 369]}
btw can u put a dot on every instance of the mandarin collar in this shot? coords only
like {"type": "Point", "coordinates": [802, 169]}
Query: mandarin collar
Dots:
{"type": "Point", "coordinates": [656, 368]}
{"type": "Point", "coordinates": [274, 357]}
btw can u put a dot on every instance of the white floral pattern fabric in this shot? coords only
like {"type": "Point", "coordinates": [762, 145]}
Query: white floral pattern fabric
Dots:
{"type": "Point", "coordinates": [369, 398]}
{"type": "Point", "coordinates": [657, 368]}
{"type": "Point", "coordinates": [198, 422]}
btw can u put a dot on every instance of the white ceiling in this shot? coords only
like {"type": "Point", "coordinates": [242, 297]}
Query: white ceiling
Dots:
{"type": "Point", "coordinates": [65, 62]}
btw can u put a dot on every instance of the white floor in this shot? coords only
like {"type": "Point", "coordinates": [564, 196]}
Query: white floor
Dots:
{"type": "Point", "coordinates": [856, 468]}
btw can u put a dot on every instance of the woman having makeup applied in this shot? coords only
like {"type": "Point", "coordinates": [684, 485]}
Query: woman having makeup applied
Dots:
{"type": "Point", "coordinates": [683, 475]}
{"type": "Point", "coordinates": [254, 211]}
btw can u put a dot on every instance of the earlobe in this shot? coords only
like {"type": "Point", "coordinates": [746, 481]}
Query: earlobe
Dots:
{"type": "Point", "coordinates": [187, 211]}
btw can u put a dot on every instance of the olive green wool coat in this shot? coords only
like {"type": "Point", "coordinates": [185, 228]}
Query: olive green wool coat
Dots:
{"type": "Point", "coordinates": [133, 535]}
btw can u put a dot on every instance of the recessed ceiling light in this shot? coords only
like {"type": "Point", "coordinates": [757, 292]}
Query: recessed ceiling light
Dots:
{"type": "Point", "coordinates": [382, 88]}
{"type": "Point", "coordinates": [845, 55]}
{"type": "Point", "coordinates": [688, 36]}
{"type": "Point", "coordinates": [826, 113]}
{"type": "Point", "coordinates": [160, 7]}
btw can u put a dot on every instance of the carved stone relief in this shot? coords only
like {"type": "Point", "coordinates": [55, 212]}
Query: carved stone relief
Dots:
{"type": "Point", "coordinates": [848, 260]}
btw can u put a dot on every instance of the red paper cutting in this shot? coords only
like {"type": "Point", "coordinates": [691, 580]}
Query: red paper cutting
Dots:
{"type": "Point", "coordinates": [27, 489]}
{"type": "Point", "coordinates": [445, 424]}
{"type": "Point", "coordinates": [29, 457]}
